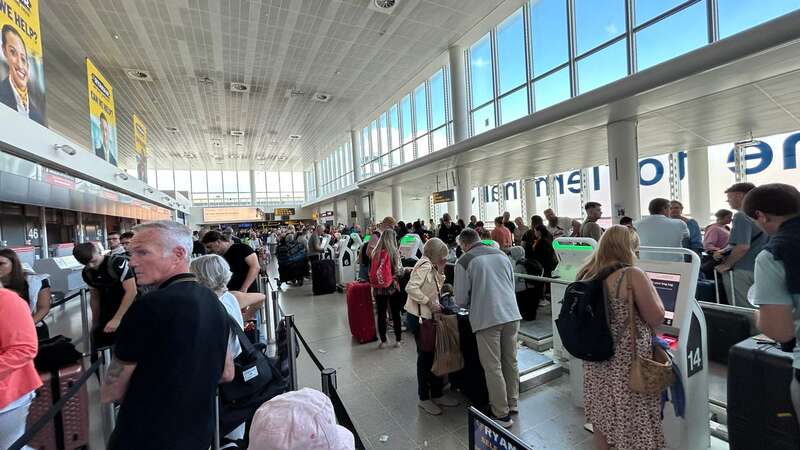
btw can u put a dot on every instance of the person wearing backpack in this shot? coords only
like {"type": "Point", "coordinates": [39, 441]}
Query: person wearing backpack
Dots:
{"type": "Point", "coordinates": [622, 418]}
{"type": "Point", "coordinates": [385, 272]}
{"type": "Point", "coordinates": [113, 289]}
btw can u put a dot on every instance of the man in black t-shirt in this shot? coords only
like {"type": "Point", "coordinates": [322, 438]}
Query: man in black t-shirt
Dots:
{"type": "Point", "coordinates": [171, 351]}
{"type": "Point", "coordinates": [241, 258]}
{"type": "Point", "coordinates": [113, 289]}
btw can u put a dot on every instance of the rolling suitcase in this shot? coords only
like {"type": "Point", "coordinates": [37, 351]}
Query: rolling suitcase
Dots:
{"type": "Point", "coordinates": [760, 410]}
{"type": "Point", "coordinates": [725, 329]}
{"type": "Point", "coordinates": [71, 426]}
{"type": "Point", "coordinates": [359, 311]}
{"type": "Point", "coordinates": [323, 277]}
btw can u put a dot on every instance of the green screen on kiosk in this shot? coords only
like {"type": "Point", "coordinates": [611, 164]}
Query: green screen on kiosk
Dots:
{"type": "Point", "coordinates": [408, 239]}
{"type": "Point", "coordinates": [579, 247]}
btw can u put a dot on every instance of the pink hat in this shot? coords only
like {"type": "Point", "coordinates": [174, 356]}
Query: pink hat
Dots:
{"type": "Point", "coordinates": [301, 419]}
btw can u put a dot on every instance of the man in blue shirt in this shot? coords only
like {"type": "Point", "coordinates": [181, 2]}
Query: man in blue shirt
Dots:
{"type": "Point", "coordinates": [695, 240]}
{"type": "Point", "coordinates": [776, 209]}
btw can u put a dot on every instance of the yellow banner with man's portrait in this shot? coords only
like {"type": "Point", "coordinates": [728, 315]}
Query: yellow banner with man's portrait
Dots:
{"type": "Point", "coordinates": [101, 114]}
{"type": "Point", "coordinates": [140, 147]}
{"type": "Point", "coordinates": [22, 68]}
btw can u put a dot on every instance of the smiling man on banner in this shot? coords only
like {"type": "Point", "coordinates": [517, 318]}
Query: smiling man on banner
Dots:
{"type": "Point", "coordinates": [14, 88]}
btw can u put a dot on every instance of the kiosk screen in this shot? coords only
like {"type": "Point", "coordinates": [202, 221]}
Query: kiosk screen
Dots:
{"type": "Point", "coordinates": [666, 285]}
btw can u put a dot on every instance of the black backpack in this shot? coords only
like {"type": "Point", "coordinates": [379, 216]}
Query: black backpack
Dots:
{"type": "Point", "coordinates": [583, 321]}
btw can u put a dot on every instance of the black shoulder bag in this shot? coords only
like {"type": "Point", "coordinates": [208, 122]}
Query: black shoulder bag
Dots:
{"type": "Point", "coordinates": [254, 372]}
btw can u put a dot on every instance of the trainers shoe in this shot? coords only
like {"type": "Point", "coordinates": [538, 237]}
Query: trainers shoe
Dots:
{"type": "Point", "coordinates": [398, 344]}
{"type": "Point", "coordinates": [513, 409]}
{"type": "Point", "coordinates": [504, 422]}
{"type": "Point", "coordinates": [381, 345]}
{"type": "Point", "coordinates": [430, 407]}
{"type": "Point", "coordinates": [446, 401]}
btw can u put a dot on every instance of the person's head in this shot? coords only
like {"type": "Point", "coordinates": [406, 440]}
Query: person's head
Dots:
{"type": "Point", "coordinates": [125, 239]}
{"type": "Point", "coordinates": [105, 128]}
{"type": "Point", "coordinates": [675, 209]}
{"type": "Point", "coordinates": [626, 221]}
{"type": "Point", "coordinates": [160, 250]}
{"type": "Point", "coordinates": [435, 250]}
{"type": "Point", "coordinates": [461, 223]}
{"type": "Point", "coordinates": [658, 206]}
{"type": "Point", "coordinates": [473, 219]}
{"type": "Point", "coordinates": [468, 238]}
{"type": "Point", "coordinates": [401, 225]}
{"type": "Point", "coordinates": [16, 56]}
{"type": "Point", "coordinates": [615, 246]}
{"type": "Point", "coordinates": [516, 253]}
{"type": "Point", "coordinates": [506, 216]}
{"type": "Point", "coordinates": [498, 221]}
{"type": "Point", "coordinates": [446, 218]}
{"type": "Point", "coordinates": [479, 224]}
{"type": "Point", "coordinates": [724, 216]}
{"type": "Point", "coordinates": [11, 273]}
{"type": "Point", "coordinates": [519, 222]}
{"type": "Point", "coordinates": [772, 204]}
{"type": "Point", "coordinates": [536, 220]}
{"type": "Point", "coordinates": [88, 254]}
{"type": "Point", "coordinates": [736, 194]}
{"type": "Point", "coordinates": [216, 242]}
{"type": "Point", "coordinates": [113, 240]}
{"type": "Point", "coordinates": [593, 210]}
{"type": "Point", "coordinates": [551, 217]}
{"type": "Point", "coordinates": [388, 242]}
{"type": "Point", "coordinates": [212, 271]}
{"type": "Point", "coordinates": [483, 232]}
{"type": "Point", "coordinates": [387, 223]}
{"type": "Point", "coordinates": [543, 234]}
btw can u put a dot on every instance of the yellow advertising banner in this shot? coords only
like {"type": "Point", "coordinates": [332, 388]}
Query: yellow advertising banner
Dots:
{"type": "Point", "coordinates": [22, 70]}
{"type": "Point", "coordinates": [101, 114]}
{"type": "Point", "coordinates": [232, 214]}
{"type": "Point", "coordinates": [140, 147]}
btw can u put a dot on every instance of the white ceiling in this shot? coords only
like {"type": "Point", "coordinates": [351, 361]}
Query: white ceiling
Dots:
{"type": "Point", "coordinates": [759, 94]}
{"type": "Point", "coordinates": [339, 47]}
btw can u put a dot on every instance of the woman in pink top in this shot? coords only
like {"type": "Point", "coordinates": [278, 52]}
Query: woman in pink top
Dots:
{"type": "Point", "coordinates": [18, 377]}
{"type": "Point", "coordinates": [502, 235]}
{"type": "Point", "coordinates": [716, 235]}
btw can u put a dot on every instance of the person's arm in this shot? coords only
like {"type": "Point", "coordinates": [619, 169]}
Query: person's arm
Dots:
{"type": "Point", "coordinates": [247, 299]}
{"type": "Point", "coordinates": [252, 272]}
{"type": "Point", "coordinates": [130, 294]}
{"type": "Point", "coordinates": [42, 305]}
{"type": "Point", "coordinates": [414, 286]}
{"type": "Point", "coordinates": [776, 322]}
{"type": "Point", "coordinates": [94, 305]}
{"type": "Point", "coordinates": [594, 231]}
{"type": "Point", "coordinates": [737, 252]}
{"type": "Point", "coordinates": [462, 287]}
{"type": "Point", "coordinates": [115, 383]}
{"type": "Point", "coordinates": [645, 297]}
{"type": "Point", "coordinates": [17, 335]}
{"type": "Point", "coordinates": [576, 228]}
{"type": "Point", "coordinates": [229, 371]}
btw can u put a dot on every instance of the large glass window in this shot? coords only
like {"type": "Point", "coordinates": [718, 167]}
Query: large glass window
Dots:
{"type": "Point", "coordinates": [438, 106]}
{"type": "Point", "coordinates": [483, 119]}
{"type": "Point", "coordinates": [514, 105]}
{"type": "Point", "coordinates": [511, 52]}
{"type": "Point", "coordinates": [199, 181]}
{"type": "Point", "coordinates": [214, 181]}
{"type": "Point", "coordinates": [384, 135]}
{"type": "Point", "coordinates": [603, 67]}
{"type": "Point", "coordinates": [513, 198]}
{"type": "Point", "coordinates": [491, 206]}
{"type": "Point", "coordinates": [182, 180]}
{"type": "Point", "coordinates": [567, 187]}
{"type": "Point", "coordinates": [273, 183]}
{"type": "Point", "coordinates": [652, 46]}
{"type": "Point", "coordinates": [286, 186]}
{"type": "Point", "coordinates": [394, 127]}
{"type": "Point", "coordinates": [229, 181]}
{"type": "Point", "coordinates": [165, 180]}
{"type": "Point", "coordinates": [598, 21]}
{"type": "Point", "coordinates": [653, 180]}
{"type": "Point", "coordinates": [647, 9]}
{"type": "Point", "coordinates": [481, 78]}
{"type": "Point", "coordinates": [551, 89]}
{"type": "Point", "coordinates": [549, 35]}
{"type": "Point", "coordinates": [739, 15]}
{"type": "Point", "coordinates": [260, 180]}
{"type": "Point", "coordinates": [244, 180]}
{"type": "Point", "coordinates": [405, 119]}
{"type": "Point", "coordinates": [420, 110]}
{"type": "Point", "coordinates": [541, 196]}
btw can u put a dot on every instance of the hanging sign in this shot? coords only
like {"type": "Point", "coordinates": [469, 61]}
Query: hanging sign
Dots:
{"type": "Point", "coordinates": [140, 147]}
{"type": "Point", "coordinates": [22, 71]}
{"type": "Point", "coordinates": [443, 196]}
{"type": "Point", "coordinates": [101, 114]}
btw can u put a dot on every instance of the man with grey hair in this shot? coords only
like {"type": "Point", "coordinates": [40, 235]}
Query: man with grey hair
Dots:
{"type": "Point", "coordinates": [171, 349]}
{"type": "Point", "coordinates": [484, 283]}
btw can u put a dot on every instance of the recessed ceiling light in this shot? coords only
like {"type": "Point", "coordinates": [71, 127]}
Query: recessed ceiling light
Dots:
{"type": "Point", "coordinates": [138, 74]}
{"type": "Point", "coordinates": [205, 80]}
{"type": "Point", "coordinates": [240, 87]}
{"type": "Point", "coordinates": [294, 137]}
{"type": "Point", "coordinates": [338, 72]}
{"type": "Point", "coordinates": [237, 133]}
{"type": "Point", "coordinates": [188, 155]}
{"type": "Point", "coordinates": [116, 36]}
{"type": "Point", "coordinates": [171, 129]}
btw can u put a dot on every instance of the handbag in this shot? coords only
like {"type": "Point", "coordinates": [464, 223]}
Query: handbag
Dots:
{"type": "Point", "coordinates": [427, 328]}
{"type": "Point", "coordinates": [447, 357]}
{"type": "Point", "coordinates": [648, 376]}
{"type": "Point", "coordinates": [254, 372]}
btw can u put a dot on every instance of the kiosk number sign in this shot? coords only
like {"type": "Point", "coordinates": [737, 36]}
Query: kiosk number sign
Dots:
{"type": "Point", "coordinates": [694, 348]}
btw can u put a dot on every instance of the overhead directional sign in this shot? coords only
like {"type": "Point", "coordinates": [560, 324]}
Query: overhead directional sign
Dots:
{"type": "Point", "coordinates": [284, 211]}
{"type": "Point", "coordinates": [443, 196]}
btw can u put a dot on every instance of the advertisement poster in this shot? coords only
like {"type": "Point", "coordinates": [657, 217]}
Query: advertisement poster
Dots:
{"type": "Point", "coordinates": [22, 68]}
{"type": "Point", "coordinates": [102, 116]}
{"type": "Point", "coordinates": [140, 148]}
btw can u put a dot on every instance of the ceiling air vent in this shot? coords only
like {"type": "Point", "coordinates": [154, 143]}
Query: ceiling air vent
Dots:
{"type": "Point", "coordinates": [383, 6]}
{"type": "Point", "coordinates": [237, 133]}
{"type": "Point", "coordinates": [294, 93]}
{"type": "Point", "coordinates": [205, 80]}
{"type": "Point", "coordinates": [294, 137]}
{"type": "Point", "coordinates": [240, 87]}
{"type": "Point", "coordinates": [139, 75]}
{"type": "Point", "coordinates": [321, 97]}
{"type": "Point", "coordinates": [171, 129]}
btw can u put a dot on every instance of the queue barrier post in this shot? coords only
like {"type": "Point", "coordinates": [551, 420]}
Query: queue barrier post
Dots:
{"type": "Point", "coordinates": [262, 312]}
{"type": "Point", "coordinates": [328, 381]}
{"type": "Point", "coordinates": [85, 334]}
{"type": "Point", "coordinates": [290, 350]}
{"type": "Point", "coordinates": [216, 421]}
{"type": "Point", "coordinates": [112, 413]}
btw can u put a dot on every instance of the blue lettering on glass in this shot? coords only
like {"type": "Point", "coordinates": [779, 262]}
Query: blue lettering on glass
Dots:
{"type": "Point", "coordinates": [763, 153]}
{"type": "Point", "coordinates": [539, 181]}
{"type": "Point", "coordinates": [574, 180]}
{"type": "Point", "coordinates": [560, 180]}
{"type": "Point", "coordinates": [790, 151]}
{"type": "Point", "coordinates": [682, 164]}
{"type": "Point", "coordinates": [596, 171]}
{"type": "Point", "coordinates": [658, 175]}
{"type": "Point", "coordinates": [511, 186]}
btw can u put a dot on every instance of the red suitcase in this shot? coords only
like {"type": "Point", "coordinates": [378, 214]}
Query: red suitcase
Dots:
{"type": "Point", "coordinates": [360, 314]}
{"type": "Point", "coordinates": [74, 417]}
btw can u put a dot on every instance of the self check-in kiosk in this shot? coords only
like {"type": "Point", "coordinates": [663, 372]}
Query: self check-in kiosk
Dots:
{"type": "Point", "coordinates": [355, 242]}
{"type": "Point", "coordinates": [572, 254]}
{"type": "Point", "coordinates": [410, 246]}
{"type": "Point", "coordinates": [345, 262]}
{"type": "Point", "coordinates": [64, 271]}
{"type": "Point", "coordinates": [328, 252]}
{"type": "Point", "coordinates": [684, 329]}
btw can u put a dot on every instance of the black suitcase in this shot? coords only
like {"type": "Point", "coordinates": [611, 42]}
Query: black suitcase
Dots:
{"type": "Point", "coordinates": [725, 329]}
{"type": "Point", "coordinates": [471, 380]}
{"type": "Point", "coordinates": [760, 410]}
{"type": "Point", "coordinates": [323, 277]}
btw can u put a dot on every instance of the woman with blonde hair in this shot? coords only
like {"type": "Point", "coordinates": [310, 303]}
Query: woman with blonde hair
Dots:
{"type": "Point", "coordinates": [622, 418]}
{"type": "Point", "coordinates": [423, 291]}
{"type": "Point", "coordinates": [388, 297]}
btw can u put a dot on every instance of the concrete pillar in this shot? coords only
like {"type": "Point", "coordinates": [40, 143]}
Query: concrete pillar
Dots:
{"type": "Point", "coordinates": [397, 202]}
{"type": "Point", "coordinates": [464, 193]}
{"type": "Point", "coordinates": [336, 215]}
{"type": "Point", "coordinates": [43, 233]}
{"type": "Point", "coordinates": [699, 195]}
{"type": "Point", "coordinates": [458, 93]}
{"type": "Point", "coordinates": [253, 188]}
{"type": "Point", "coordinates": [354, 147]}
{"type": "Point", "coordinates": [529, 187]}
{"type": "Point", "coordinates": [623, 163]}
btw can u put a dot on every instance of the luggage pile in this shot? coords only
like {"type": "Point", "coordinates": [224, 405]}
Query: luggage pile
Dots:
{"type": "Point", "coordinates": [292, 265]}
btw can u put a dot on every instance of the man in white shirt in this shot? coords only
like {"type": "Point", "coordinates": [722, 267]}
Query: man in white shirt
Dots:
{"type": "Point", "coordinates": [561, 226]}
{"type": "Point", "coordinates": [659, 230]}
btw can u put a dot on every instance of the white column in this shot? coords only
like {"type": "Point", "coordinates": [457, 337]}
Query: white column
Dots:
{"type": "Point", "coordinates": [317, 179]}
{"type": "Point", "coordinates": [464, 193]}
{"type": "Point", "coordinates": [354, 147]}
{"type": "Point", "coordinates": [397, 202]}
{"type": "Point", "coordinates": [253, 187]}
{"type": "Point", "coordinates": [458, 93]}
{"type": "Point", "coordinates": [699, 194]}
{"type": "Point", "coordinates": [529, 186]}
{"type": "Point", "coordinates": [336, 218]}
{"type": "Point", "coordinates": [623, 163]}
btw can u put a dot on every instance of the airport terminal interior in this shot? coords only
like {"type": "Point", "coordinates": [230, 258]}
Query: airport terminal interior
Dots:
{"type": "Point", "coordinates": [291, 138]}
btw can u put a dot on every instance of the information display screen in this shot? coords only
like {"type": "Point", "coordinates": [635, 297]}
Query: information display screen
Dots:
{"type": "Point", "coordinates": [666, 285]}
